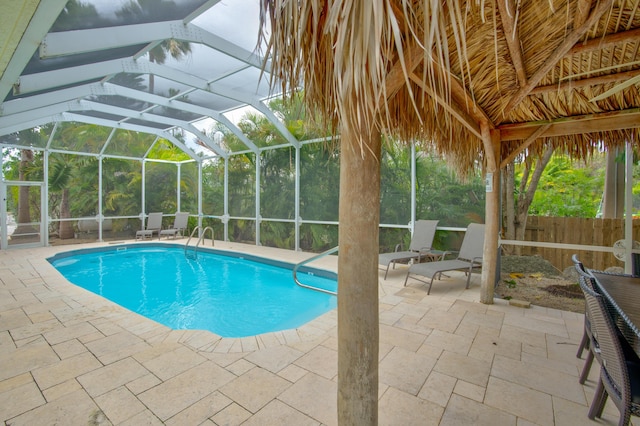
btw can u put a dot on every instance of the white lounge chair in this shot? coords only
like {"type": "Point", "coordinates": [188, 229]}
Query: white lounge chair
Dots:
{"type": "Point", "coordinates": [154, 224]}
{"type": "Point", "coordinates": [179, 225]}
{"type": "Point", "coordinates": [469, 258]}
{"type": "Point", "coordinates": [420, 247]}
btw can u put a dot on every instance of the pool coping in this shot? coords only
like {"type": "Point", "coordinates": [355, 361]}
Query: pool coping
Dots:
{"type": "Point", "coordinates": [229, 253]}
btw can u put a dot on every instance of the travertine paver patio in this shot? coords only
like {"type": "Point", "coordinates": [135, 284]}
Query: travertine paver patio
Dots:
{"type": "Point", "coordinates": [70, 357]}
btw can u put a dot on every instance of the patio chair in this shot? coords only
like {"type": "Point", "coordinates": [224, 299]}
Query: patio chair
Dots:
{"type": "Point", "coordinates": [469, 258]}
{"type": "Point", "coordinates": [154, 224]}
{"type": "Point", "coordinates": [620, 367]}
{"type": "Point", "coordinates": [179, 225]}
{"type": "Point", "coordinates": [588, 340]}
{"type": "Point", "coordinates": [420, 247]}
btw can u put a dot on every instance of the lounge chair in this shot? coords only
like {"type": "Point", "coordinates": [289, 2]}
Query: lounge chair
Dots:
{"type": "Point", "coordinates": [179, 225]}
{"type": "Point", "coordinates": [419, 248]}
{"type": "Point", "coordinates": [154, 224]}
{"type": "Point", "coordinates": [469, 258]}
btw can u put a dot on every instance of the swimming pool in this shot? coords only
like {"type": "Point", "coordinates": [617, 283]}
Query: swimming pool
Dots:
{"type": "Point", "coordinates": [229, 294]}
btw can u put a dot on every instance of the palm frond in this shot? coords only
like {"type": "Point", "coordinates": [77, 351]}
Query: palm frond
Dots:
{"type": "Point", "coordinates": [59, 175]}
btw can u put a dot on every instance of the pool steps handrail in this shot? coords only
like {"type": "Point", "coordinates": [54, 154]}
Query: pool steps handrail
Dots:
{"type": "Point", "coordinates": [195, 248]}
{"type": "Point", "coordinates": [311, 259]}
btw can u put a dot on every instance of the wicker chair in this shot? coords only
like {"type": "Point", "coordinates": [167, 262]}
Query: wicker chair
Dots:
{"type": "Point", "coordinates": [620, 368]}
{"type": "Point", "coordinates": [588, 341]}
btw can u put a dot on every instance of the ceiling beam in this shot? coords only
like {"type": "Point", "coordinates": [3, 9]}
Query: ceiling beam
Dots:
{"type": "Point", "coordinates": [467, 103]}
{"type": "Point", "coordinates": [235, 130]}
{"type": "Point", "coordinates": [90, 40]}
{"type": "Point", "coordinates": [399, 74]}
{"type": "Point", "coordinates": [43, 99]}
{"type": "Point", "coordinates": [51, 79]}
{"type": "Point", "coordinates": [586, 82]}
{"type": "Point", "coordinates": [114, 89]}
{"type": "Point", "coordinates": [48, 115]}
{"type": "Point", "coordinates": [524, 145]}
{"type": "Point", "coordinates": [591, 123]}
{"type": "Point", "coordinates": [462, 97]}
{"type": "Point", "coordinates": [210, 143]}
{"type": "Point", "coordinates": [450, 106]}
{"type": "Point", "coordinates": [200, 10]}
{"type": "Point", "coordinates": [6, 129]}
{"type": "Point", "coordinates": [13, 120]}
{"type": "Point", "coordinates": [414, 55]}
{"type": "Point", "coordinates": [65, 76]}
{"type": "Point", "coordinates": [583, 7]}
{"type": "Point", "coordinates": [559, 52]}
{"type": "Point", "coordinates": [616, 89]}
{"type": "Point", "coordinates": [605, 41]}
{"type": "Point", "coordinates": [155, 118]}
{"type": "Point", "coordinates": [279, 125]}
{"type": "Point", "coordinates": [43, 18]}
{"type": "Point", "coordinates": [507, 16]}
{"type": "Point", "coordinates": [58, 98]}
{"type": "Point", "coordinates": [80, 118]}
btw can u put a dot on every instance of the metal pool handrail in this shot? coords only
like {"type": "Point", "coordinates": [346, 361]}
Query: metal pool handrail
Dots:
{"type": "Point", "coordinates": [311, 259]}
{"type": "Point", "coordinates": [195, 248]}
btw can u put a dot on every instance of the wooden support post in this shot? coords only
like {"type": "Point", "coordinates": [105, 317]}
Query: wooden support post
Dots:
{"type": "Point", "coordinates": [358, 328]}
{"type": "Point", "coordinates": [491, 141]}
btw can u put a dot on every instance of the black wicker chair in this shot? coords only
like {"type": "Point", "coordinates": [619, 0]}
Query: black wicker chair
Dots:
{"type": "Point", "coordinates": [588, 341]}
{"type": "Point", "coordinates": [620, 368]}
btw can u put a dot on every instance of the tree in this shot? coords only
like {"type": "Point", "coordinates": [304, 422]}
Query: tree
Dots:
{"type": "Point", "coordinates": [24, 205]}
{"type": "Point", "coordinates": [59, 177]}
{"type": "Point", "coordinates": [613, 197]}
{"type": "Point", "coordinates": [518, 207]}
{"type": "Point", "coordinates": [442, 194]}
{"type": "Point", "coordinates": [567, 190]}
{"type": "Point", "coordinates": [552, 185]}
{"type": "Point", "coordinates": [27, 169]}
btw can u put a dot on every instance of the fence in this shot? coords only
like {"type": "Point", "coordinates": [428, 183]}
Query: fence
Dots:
{"type": "Point", "coordinates": [570, 230]}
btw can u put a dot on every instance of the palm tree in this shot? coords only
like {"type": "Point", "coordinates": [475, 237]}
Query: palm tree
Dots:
{"type": "Point", "coordinates": [27, 171]}
{"type": "Point", "coordinates": [60, 172]}
{"type": "Point", "coordinates": [24, 205]}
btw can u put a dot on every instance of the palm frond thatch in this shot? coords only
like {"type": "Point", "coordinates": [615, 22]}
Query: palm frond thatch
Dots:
{"type": "Point", "coordinates": [437, 72]}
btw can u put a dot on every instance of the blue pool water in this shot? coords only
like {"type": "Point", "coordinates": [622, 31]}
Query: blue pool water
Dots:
{"type": "Point", "coordinates": [220, 292]}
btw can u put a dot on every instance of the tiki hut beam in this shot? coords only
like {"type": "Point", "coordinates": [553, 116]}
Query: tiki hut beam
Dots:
{"type": "Point", "coordinates": [507, 15]}
{"type": "Point", "coordinates": [602, 42]}
{"type": "Point", "coordinates": [450, 106]}
{"type": "Point", "coordinates": [557, 54]}
{"type": "Point", "coordinates": [602, 122]}
{"type": "Point", "coordinates": [396, 80]}
{"type": "Point", "coordinates": [524, 145]}
{"type": "Point", "coordinates": [582, 12]}
{"type": "Point", "coordinates": [616, 89]}
{"type": "Point", "coordinates": [398, 76]}
{"type": "Point", "coordinates": [461, 96]}
{"type": "Point", "coordinates": [586, 82]}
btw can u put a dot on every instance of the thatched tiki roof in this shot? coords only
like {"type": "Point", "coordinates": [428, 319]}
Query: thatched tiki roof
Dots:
{"type": "Point", "coordinates": [481, 80]}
